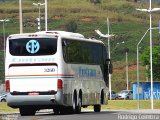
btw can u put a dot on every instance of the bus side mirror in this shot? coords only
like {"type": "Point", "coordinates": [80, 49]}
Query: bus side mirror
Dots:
{"type": "Point", "coordinates": [109, 66]}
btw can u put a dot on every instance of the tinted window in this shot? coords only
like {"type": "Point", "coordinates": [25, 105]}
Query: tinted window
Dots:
{"type": "Point", "coordinates": [75, 51]}
{"type": "Point", "coordinates": [32, 46]}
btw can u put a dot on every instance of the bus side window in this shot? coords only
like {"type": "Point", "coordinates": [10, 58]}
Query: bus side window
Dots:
{"type": "Point", "coordinates": [64, 43]}
{"type": "Point", "coordinates": [64, 47]}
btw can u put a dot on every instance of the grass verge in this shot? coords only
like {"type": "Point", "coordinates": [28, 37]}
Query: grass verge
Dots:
{"type": "Point", "coordinates": [131, 104]}
{"type": "Point", "coordinates": [6, 109]}
{"type": "Point", "coordinates": [128, 105]}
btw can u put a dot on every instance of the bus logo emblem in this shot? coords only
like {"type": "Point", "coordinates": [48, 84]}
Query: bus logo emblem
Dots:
{"type": "Point", "coordinates": [32, 46]}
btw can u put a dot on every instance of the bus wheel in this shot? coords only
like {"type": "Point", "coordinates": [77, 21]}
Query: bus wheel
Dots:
{"type": "Point", "coordinates": [3, 100]}
{"type": "Point", "coordinates": [65, 110]}
{"type": "Point", "coordinates": [78, 107]}
{"type": "Point", "coordinates": [25, 111]}
{"type": "Point", "coordinates": [56, 110]}
{"type": "Point", "coordinates": [97, 108]}
{"type": "Point", "coordinates": [74, 104]}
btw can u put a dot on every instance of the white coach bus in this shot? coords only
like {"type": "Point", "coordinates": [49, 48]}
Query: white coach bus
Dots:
{"type": "Point", "coordinates": [55, 70]}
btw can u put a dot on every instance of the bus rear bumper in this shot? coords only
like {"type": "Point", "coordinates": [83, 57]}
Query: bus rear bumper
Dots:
{"type": "Point", "coordinates": [16, 101]}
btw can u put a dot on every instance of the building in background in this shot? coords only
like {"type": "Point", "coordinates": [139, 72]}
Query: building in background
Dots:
{"type": "Point", "coordinates": [157, 1]}
{"type": "Point", "coordinates": [145, 90]}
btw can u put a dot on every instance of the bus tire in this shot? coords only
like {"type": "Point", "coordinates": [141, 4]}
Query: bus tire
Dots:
{"type": "Point", "coordinates": [56, 110]}
{"type": "Point", "coordinates": [97, 108]}
{"type": "Point", "coordinates": [78, 107]}
{"type": "Point", "coordinates": [102, 99]}
{"type": "Point", "coordinates": [74, 103]}
{"type": "Point", "coordinates": [63, 110]}
{"type": "Point", "coordinates": [3, 100]}
{"type": "Point", "coordinates": [25, 111]}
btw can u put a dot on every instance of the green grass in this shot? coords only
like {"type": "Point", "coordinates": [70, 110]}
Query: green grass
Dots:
{"type": "Point", "coordinates": [131, 104]}
{"type": "Point", "coordinates": [5, 109]}
{"type": "Point", "coordinates": [128, 105]}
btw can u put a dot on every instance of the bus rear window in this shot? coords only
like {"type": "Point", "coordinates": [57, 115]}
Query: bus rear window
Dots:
{"type": "Point", "coordinates": [32, 46]}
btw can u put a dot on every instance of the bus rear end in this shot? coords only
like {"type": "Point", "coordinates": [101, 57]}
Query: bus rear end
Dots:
{"type": "Point", "coordinates": [31, 72]}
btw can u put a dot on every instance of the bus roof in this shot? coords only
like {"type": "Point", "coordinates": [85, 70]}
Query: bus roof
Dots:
{"type": "Point", "coordinates": [63, 34]}
{"type": "Point", "coordinates": [72, 35]}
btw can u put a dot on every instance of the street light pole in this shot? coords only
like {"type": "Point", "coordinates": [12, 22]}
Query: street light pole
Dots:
{"type": "Point", "coordinates": [127, 69]}
{"type": "Point", "coordinates": [150, 10]}
{"type": "Point", "coordinates": [126, 51]}
{"type": "Point", "coordinates": [151, 65]}
{"type": "Point", "coordinates": [4, 34]}
{"type": "Point", "coordinates": [46, 15]}
{"type": "Point", "coordinates": [39, 14]}
{"type": "Point", "coordinates": [138, 67]}
{"type": "Point", "coordinates": [109, 56]}
{"type": "Point", "coordinates": [20, 16]}
{"type": "Point", "coordinates": [4, 39]}
{"type": "Point", "coordinates": [109, 53]}
{"type": "Point", "coordinates": [138, 62]}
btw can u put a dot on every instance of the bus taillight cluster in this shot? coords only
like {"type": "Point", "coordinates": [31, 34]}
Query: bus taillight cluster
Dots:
{"type": "Point", "coordinates": [7, 86]}
{"type": "Point", "coordinates": [60, 84]}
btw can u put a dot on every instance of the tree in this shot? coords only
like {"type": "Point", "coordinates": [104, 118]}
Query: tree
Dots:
{"type": "Point", "coordinates": [145, 57]}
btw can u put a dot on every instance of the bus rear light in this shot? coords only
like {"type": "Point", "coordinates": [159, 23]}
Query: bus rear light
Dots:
{"type": "Point", "coordinates": [7, 86]}
{"type": "Point", "coordinates": [60, 84]}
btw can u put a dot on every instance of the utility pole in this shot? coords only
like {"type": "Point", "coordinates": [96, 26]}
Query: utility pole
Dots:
{"type": "Point", "coordinates": [126, 51]}
{"type": "Point", "coordinates": [109, 54]}
{"type": "Point", "coordinates": [20, 16]}
{"type": "Point", "coordinates": [39, 14]}
{"type": "Point", "coordinates": [150, 10]}
{"type": "Point", "coordinates": [46, 15]}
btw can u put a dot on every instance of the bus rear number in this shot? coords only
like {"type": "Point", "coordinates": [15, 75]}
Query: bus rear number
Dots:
{"type": "Point", "coordinates": [49, 70]}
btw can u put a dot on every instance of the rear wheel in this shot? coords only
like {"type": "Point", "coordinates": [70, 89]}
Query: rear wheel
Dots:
{"type": "Point", "coordinates": [3, 100]}
{"type": "Point", "coordinates": [78, 107]}
{"type": "Point", "coordinates": [26, 111]}
{"type": "Point", "coordinates": [74, 104]}
{"type": "Point", "coordinates": [56, 110]}
{"type": "Point", "coordinates": [97, 108]}
{"type": "Point", "coordinates": [77, 103]}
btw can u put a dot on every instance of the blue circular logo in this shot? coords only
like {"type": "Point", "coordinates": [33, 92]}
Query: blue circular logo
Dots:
{"type": "Point", "coordinates": [32, 46]}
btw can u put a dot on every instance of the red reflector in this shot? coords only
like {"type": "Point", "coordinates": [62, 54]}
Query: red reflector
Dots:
{"type": "Point", "coordinates": [60, 84]}
{"type": "Point", "coordinates": [7, 86]}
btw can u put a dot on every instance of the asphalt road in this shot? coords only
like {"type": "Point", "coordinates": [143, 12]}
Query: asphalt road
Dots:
{"type": "Point", "coordinates": [90, 115]}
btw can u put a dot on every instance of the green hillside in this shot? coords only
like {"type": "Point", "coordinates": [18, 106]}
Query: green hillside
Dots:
{"type": "Point", "coordinates": [126, 24]}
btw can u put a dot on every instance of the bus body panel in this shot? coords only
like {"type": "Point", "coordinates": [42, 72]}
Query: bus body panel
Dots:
{"type": "Point", "coordinates": [30, 100]}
